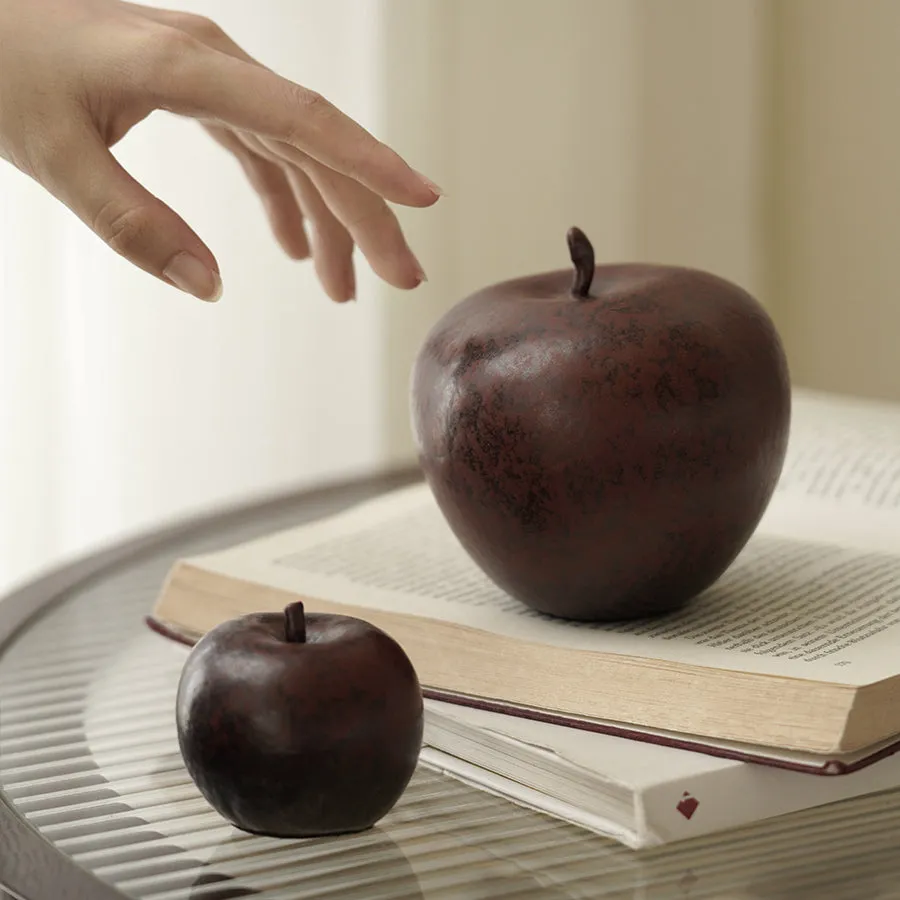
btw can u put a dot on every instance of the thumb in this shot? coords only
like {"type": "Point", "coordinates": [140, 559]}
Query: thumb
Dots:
{"type": "Point", "coordinates": [132, 221]}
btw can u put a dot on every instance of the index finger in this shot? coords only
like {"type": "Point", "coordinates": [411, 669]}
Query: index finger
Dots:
{"type": "Point", "coordinates": [202, 82]}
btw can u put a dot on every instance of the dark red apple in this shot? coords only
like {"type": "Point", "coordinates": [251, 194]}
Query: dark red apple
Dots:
{"type": "Point", "coordinates": [603, 446]}
{"type": "Point", "coordinates": [299, 725]}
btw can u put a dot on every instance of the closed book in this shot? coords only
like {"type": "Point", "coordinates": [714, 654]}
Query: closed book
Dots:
{"type": "Point", "coordinates": [640, 794]}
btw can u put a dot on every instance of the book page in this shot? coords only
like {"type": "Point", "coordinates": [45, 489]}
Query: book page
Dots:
{"type": "Point", "coordinates": [785, 607]}
{"type": "Point", "coordinates": [841, 477]}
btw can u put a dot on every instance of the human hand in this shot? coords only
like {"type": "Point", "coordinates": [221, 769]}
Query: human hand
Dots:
{"type": "Point", "coordinates": [77, 75]}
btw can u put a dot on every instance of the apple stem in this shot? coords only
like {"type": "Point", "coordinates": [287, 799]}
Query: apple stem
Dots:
{"type": "Point", "coordinates": [582, 254]}
{"type": "Point", "coordinates": [295, 623]}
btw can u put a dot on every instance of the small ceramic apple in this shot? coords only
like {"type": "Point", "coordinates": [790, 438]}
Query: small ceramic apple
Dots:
{"type": "Point", "coordinates": [294, 724]}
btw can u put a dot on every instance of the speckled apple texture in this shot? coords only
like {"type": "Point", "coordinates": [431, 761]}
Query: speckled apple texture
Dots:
{"type": "Point", "coordinates": [603, 458]}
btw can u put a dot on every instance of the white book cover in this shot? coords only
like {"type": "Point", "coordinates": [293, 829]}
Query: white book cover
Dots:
{"type": "Point", "coordinates": [640, 794]}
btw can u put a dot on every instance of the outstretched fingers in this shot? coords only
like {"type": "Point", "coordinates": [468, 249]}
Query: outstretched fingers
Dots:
{"type": "Point", "coordinates": [195, 79]}
{"type": "Point", "coordinates": [274, 190]}
{"type": "Point", "coordinates": [369, 221]}
{"type": "Point", "coordinates": [332, 245]}
{"type": "Point", "coordinates": [281, 133]}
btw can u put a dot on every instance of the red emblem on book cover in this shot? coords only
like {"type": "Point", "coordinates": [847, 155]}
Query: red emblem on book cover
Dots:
{"type": "Point", "coordinates": [687, 806]}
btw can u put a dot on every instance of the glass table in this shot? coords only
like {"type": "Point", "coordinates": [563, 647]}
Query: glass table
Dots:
{"type": "Point", "coordinates": [96, 805]}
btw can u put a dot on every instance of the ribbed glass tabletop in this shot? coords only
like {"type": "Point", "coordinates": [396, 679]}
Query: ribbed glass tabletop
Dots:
{"type": "Point", "coordinates": [88, 755]}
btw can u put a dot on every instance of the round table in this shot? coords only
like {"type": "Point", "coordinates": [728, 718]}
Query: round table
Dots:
{"type": "Point", "coordinates": [95, 803]}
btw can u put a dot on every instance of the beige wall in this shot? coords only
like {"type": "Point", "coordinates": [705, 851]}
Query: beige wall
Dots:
{"type": "Point", "coordinates": [704, 134]}
{"type": "Point", "coordinates": [771, 154]}
{"type": "Point", "coordinates": [836, 204]}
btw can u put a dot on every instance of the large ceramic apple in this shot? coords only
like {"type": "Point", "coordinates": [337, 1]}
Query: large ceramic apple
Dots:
{"type": "Point", "coordinates": [296, 725]}
{"type": "Point", "coordinates": [603, 442]}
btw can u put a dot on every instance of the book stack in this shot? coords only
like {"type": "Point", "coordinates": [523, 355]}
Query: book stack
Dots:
{"type": "Point", "coordinates": [777, 689]}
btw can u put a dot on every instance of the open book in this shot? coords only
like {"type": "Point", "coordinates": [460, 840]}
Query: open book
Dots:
{"type": "Point", "coordinates": [797, 646]}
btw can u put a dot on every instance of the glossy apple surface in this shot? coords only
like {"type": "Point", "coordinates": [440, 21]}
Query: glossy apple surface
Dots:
{"type": "Point", "coordinates": [298, 724]}
{"type": "Point", "coordinates": [603, 445]}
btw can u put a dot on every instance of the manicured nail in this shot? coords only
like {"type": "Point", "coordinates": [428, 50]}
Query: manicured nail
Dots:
{"type": "Point", "coordinates": [420, 275]}
{"type": "Point", "coordinates": [430, 185]}
{"type": "Point", "coordinates": [190, 275]}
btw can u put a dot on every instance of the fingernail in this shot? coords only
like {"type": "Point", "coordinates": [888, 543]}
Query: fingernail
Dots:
{"type": "Point", "coordinates": [430, 184]}
{"type": "Point", "coordinates": [420, 274]}
{"type": "Point", "coordinates": [190, 275]}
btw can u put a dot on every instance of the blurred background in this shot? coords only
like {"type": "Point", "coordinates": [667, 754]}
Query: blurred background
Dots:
{"type": "Point", "coordinates": [759, 139]}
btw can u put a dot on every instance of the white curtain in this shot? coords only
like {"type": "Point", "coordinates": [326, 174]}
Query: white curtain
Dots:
{"type": "Point", "coordinates": [125, 403]}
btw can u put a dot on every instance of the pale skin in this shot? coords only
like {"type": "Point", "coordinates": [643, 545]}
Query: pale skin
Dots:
{"type": "Point", "coordinates": [77, 75]}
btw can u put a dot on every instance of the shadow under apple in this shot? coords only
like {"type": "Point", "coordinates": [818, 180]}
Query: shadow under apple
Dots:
{"type": "Point", "coordinates": [362, 866]}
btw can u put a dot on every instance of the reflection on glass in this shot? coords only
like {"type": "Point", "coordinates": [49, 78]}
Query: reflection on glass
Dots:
{"type": "Point", "coordinates": [353, 867]}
